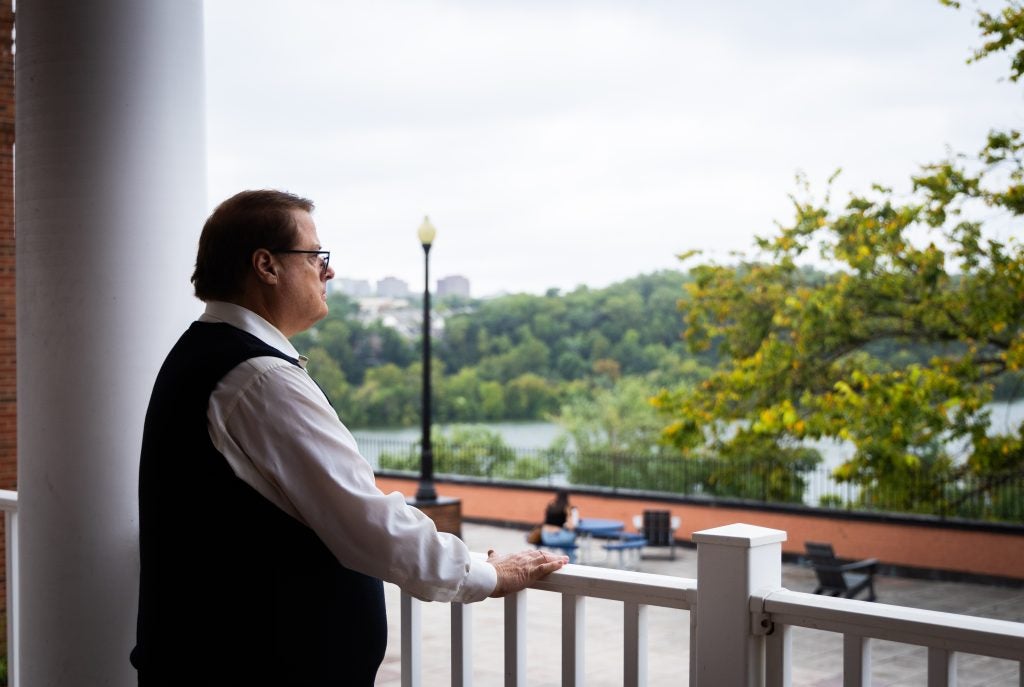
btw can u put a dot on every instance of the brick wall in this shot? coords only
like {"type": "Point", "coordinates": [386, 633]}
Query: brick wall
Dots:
{"type": "Point", "coordinates": [903, 542]}
{"type": "Point", "coordinates": [8, 371]}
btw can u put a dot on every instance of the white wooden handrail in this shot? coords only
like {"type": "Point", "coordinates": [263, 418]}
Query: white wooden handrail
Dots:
{"type": "Point", "coordinates": [724, 632]}
{"type": "Point", "coordinates": [950, 631]}
{"type": "Point", "coordinates": [637, 591]}
{"type": "Point", "coordinates": [621, 585]}
{"type": "Point", "coordinates": [943, 634]}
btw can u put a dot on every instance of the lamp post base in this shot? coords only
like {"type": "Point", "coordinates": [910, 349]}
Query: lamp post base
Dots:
{"type": "Point", "coordinates": [446, 512]}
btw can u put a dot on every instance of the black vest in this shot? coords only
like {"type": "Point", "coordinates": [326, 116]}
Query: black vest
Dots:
{"type": "Point", "coordinates": [233, 590]}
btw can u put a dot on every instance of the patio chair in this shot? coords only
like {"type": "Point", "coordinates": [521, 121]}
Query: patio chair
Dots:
{"type": "Point", "coordinates": [658, 527]}
{"type": "Point", "coordinates": [838, 578]}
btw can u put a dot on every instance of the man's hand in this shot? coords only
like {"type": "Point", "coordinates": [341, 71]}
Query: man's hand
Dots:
{"type": "Point", "coordinates": [517, 570]}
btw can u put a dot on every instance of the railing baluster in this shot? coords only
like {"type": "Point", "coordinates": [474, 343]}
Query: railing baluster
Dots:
{"type": "Point", "coordinates": [462, 645]}
{"type": "Point", "coordinates": [13, 583]}
{"type": "Point", "coordinates": [856, 661]}
{"type": "Point", "coordinates": [941, 667]}
{"type": "Point", "coordinates": [412, 659]}
{"type": "Point", "coordinates": [634, 663]}
{"type": "Point", "coordinates": [515, 640]}
{"type": "Point", "coordinates": [693, 643]}
{"type": "Point", "coordinates": [778, 657]}
{"type": "Point", "coordinates": [573, 639]}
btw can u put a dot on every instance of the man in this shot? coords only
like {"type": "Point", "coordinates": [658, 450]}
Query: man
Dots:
{"type": "Point", "coordinates": [264, 538]}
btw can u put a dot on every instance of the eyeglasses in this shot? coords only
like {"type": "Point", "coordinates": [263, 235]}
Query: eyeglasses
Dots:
{"type": "Point", "coordinates": [323, 256]}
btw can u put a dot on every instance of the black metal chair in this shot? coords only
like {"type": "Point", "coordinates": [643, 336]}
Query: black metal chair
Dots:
{"type": "Point", "coordinates": [658, 527]}
{"type": "Point", "coordinates": [841, 578]}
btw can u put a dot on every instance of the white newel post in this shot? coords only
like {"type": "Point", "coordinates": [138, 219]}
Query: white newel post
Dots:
{"type": "Point", "coordinates": [110, 188]}
{"type": "Point", "coordinates": [733, 562]}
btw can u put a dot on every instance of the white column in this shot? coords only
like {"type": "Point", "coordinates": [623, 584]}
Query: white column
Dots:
{"type": "Point", "coordinates": [732, 562]}
{"type": "Point", "coordinates": [110, 198]}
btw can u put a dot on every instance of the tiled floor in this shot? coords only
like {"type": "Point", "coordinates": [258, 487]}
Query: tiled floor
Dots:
{"type": "Point", "coordinates": [817, 655]}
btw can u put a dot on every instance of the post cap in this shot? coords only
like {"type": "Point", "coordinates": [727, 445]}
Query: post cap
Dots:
{"type": "Point", "coordinates": [740, 534]}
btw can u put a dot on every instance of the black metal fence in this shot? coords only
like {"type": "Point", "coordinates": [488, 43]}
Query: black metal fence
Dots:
{"type": "Point", "coordinates": [989, 498]}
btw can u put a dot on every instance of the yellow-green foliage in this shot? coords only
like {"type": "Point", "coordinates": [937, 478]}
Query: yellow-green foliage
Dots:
{"type": "Point", "coordinates": [896, 349]}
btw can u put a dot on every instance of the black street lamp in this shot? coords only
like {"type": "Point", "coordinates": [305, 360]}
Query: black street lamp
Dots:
{"type": "Point", "coordinates": [426, 491]}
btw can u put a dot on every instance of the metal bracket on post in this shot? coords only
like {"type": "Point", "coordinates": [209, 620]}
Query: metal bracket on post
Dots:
{"type": "Point", "coordinates": [761, 622]}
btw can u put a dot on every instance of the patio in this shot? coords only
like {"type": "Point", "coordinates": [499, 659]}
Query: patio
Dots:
{"type": "Point", "coordinates": [817, 655]}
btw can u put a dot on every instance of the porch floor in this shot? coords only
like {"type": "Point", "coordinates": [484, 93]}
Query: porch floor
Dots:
{"type": "Point", "coordinates": [817, 655]}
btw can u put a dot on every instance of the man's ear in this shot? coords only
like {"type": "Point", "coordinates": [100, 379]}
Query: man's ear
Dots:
{"type": "Point", "coordinates": [265, 266]}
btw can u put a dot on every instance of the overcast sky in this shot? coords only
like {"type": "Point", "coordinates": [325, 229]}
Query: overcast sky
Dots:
{"type": "Point", "coordinates": [560, 143]}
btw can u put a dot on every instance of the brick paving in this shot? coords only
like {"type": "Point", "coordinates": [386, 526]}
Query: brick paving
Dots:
{"type": "Point", "coordinates": [817, 656]}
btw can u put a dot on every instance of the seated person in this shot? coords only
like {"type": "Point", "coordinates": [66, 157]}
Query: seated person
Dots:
{"type": "Point", "coordinates": [560, 523]}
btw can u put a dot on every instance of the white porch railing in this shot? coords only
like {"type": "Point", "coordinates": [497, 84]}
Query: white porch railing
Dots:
{"type": "Point", "coordinates": [740, 620]}
{"type": "Point", "coordinates": [943, 634]}
{"type": "Point", "coordinates": [636, 591]}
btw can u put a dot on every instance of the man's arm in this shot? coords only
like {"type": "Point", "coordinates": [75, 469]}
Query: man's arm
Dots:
{"type": "Point", "coordinates": [282, 437]}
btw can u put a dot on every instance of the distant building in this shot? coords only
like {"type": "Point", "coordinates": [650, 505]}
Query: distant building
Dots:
{"type": "Point", "coordinates": [354, 288]}
{"type": "Point", "coordinates": [392, 287]}
{"type": "Point", "coordinates": [455, 285]}
{"type": "Point", "coordinates": [393, 312]}
{"type": "Point", "coordinates": [398, 314]}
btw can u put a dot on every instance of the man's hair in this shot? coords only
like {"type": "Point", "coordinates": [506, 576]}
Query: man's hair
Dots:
{"type": "Point", "coordinates": [241, 225]}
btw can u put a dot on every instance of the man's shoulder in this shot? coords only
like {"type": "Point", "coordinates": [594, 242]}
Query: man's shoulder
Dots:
{"type": "Point", "coordinates": [221, 338]}
{"type": "Point", "coordinates": [208, 350]}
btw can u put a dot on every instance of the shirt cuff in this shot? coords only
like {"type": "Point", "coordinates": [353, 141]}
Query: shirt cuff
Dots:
{"type": "Point", "coordinates": [480, 580]}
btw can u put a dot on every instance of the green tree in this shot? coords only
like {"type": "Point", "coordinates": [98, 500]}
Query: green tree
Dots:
{"type": "Point", "coordinates": [530, 355]}
{"type": "Point", "coordinates": [615, 431]}
{"type": "Point", "coordinates": [458, 396]}
{"type": "Point", "coordinates": [390, 396]}
{"type": "Point", "coordinates": [355, 347]}
{"type": "Point", "coordinates": [530, 397]}
{"type": "Point", "coordinates": [571, 365]}
{"type": "Point", "coordinates": [470, 450]}
{"type": "Point", "coordinates": [492, 401]}
{"type": "Point", "coordinates": [562, 335]}
{"type": "Point", "coordinates": [630, 354]}
{"type": "Point", "coordinates": [379, 344]}
{"type": "Point", "coordinates": [809, 355]}
{"type": "Point", "coordinates": [328, 375]}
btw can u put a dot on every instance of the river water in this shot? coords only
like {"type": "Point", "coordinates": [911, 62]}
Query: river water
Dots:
{"type": "Point", "coordinates": [1006, 418]}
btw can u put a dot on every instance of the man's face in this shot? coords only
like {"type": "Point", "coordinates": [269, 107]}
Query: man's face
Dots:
{"type": "Point", "coordinates": [303, 285]}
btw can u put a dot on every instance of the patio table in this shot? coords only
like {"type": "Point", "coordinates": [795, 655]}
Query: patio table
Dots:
{"type": "Point", "coordinates": [588, 529]}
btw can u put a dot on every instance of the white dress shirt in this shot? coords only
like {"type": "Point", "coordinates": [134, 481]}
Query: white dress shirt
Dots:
{"type": "Point", "coordinates": [282, 437]}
